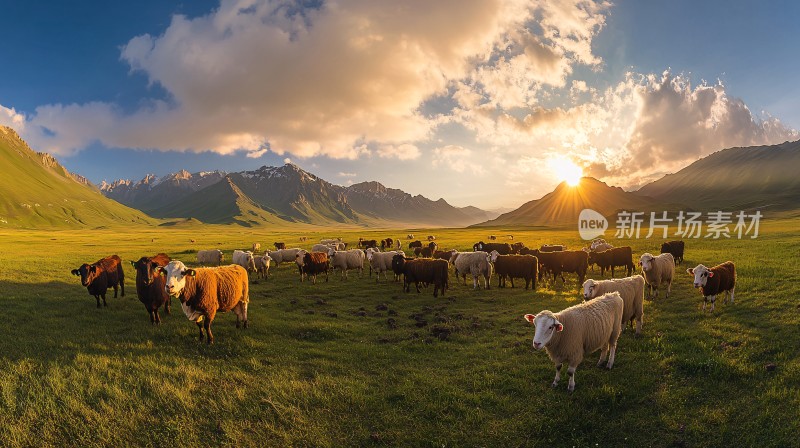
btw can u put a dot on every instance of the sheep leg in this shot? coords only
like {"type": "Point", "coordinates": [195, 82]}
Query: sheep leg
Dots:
{"type": "Point", "coordinates": [207, 325]}
{"type": "Point", "coordinates": [669, 288]}
{"type": "Point", "coordinates": [603, 354]}
{"type": "Point", "coordinates": [474, 282]}
{"type": "Point", "coordinates": [486, 281]}
{"type": "Point", "coordinates": [558, 375]}
{"type": "Point", "coordinates": [200, 327]}
{"type": "Point", "coordinates": [638, 325]}
{"type": "Point", "coordinates": [612, 354]}
{"type": "Point", "coordinates": [571, 373]}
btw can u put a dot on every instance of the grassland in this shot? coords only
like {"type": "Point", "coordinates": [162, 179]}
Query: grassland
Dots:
{"type": "Point", "coordinates": [321, 365]}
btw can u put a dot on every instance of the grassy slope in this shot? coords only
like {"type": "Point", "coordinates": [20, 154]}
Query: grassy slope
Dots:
{"type": "Point", "coordinates": [53, 199]}
{"type": "Point", "coordinates": [311, 371]}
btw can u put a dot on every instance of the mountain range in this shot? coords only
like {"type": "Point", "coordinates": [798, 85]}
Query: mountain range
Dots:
{"type": "Point", "coordinates": [286, 193]}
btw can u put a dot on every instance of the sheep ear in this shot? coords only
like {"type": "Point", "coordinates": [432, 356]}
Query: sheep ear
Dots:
{"type": "Point", "coordinates": [710, 274]}
{"type": "Point", "coordinates": [690, 271]}
{"type": "Point", "coordinates": [529, 317]}
{"type": "Point", "coordinates": [559, 326]}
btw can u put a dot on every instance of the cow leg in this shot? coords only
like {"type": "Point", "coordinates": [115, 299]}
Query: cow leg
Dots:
{"type": "Point", "coordinates": [731, 292]}
{"type": "Point", "coordinates": [97, 297]}
{"type": "Point", "coordinates": [115, 291]}
{"type": "Point", "coordinates": [158, 317]}
{"type": "Point", "coordinates": [713, 301]}
{"type": "Point", "coordinates": [705, 300]}
{"type": "Point", "coordinates": [512, 282]}
{"type": "Point", "coordinates": [558, 375]}
{"type": "Point", "coordinates": [167, 305]}
{"type": "Point", "coordinates": [122, 286]}
{"type": "Point", "coordinates": [207, 325]}
{"type": "Point", "coordinates": [104, 299]}
{"type": "Point", "coordinates": [417, 285]}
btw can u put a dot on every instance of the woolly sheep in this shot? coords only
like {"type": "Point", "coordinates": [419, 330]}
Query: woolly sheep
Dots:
{"type": "Point", "coordinates": [631, 289]}
{"type": "Point", "coordinates": [577, 331]}
{"type": "Point", "coordinates": [213, 256]}
{"type": "Point", "coordinates": [657, 270]}
{"type": "Point", "coordinates": [381, 262]}
{"type": "Point", "coordinates": [345, 260]}
{"type": "Point", "coordinates": [262, 265]}
{"type": "Point", "coordinates": [283, 255]}
{"type": "Point", "coordinates": [475, 263]}
{"type": "Point", "coordinates": [244, 259]}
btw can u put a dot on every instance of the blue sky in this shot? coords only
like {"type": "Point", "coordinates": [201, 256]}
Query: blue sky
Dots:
{"type": "Point", "coordinates": [472, 101]}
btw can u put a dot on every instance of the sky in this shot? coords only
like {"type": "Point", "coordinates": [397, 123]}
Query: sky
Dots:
{"type": "Point", "coordinates": [481, 102]}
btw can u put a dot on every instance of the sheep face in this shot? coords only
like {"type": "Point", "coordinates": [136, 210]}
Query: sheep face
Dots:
{"type": "Point", "coordinates": [87, 273]}
{"type": "Point", "coordinates": [589, 290]}
{"type": "Point", "coordinates": [646, 262]}
{"type": "Point", "coordinates": [176, 273]}
{"type": "Point", "coordinates": [701, 275]}
{"type": "Point", "coordinates": [546, 326]}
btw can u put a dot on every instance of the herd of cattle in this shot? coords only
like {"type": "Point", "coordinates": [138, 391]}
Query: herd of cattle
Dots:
{"type": "Point", "coordinates": [608, 306]}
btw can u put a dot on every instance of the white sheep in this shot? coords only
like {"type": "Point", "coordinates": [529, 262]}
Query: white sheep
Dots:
{"type": "Point", "coordinates": [381, 262]}
{"type": "Point", "coordinates": [345, 260]}
{"type": "Point", "coordinates": [262, 265]}
{"type": "Point", "coordinates": [283, 255]}
{"type": "Point", "coordinates": [244, 259]}
{"type": "Point", "coordinates": [213, 256]}
{"type": "Point", "coordinates": [657, 270]}
{"type": "Point", "coordinates": [475, 263]}
{"type": "Point", "coordinates": [320, 248]}
{"type": "Point", "coordinates": [577, 331]}
{"type": "Point", "coordinates": [631, 289]}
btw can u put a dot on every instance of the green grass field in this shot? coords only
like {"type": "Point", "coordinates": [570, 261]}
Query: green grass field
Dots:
{"type": "Point", "coordinates": [321, 366]}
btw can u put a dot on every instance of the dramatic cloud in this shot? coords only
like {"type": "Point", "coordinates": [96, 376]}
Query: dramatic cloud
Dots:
{"type": "Point", "coordinates": [456, 158]}
{"type": "Point", "coordinates": [9, 117]}
{"type": "Point", "coordinates": [401, 152]}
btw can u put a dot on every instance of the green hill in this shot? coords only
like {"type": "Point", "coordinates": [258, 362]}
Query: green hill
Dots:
{"type": "Point", "coordinates": [37, 192]}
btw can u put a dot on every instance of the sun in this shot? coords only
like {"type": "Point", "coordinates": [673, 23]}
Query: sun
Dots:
{"type": "Point", "coordinates": [567, 171]}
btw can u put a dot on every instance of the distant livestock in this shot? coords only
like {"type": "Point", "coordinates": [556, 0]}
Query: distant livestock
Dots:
{"type": "Point", "coordinates": [284, 255]}
{"type": "Point", "coordinates": [657, 271]}
{"type": "Point", "coordinates": [244, 259]}
{"type": "Point", "coordinates": [303, 239]}
{"type": "Point", "coordinates": [444, 254]}
{"type": "Point", "coordinates": [571, 334]}
{"type": "Point", "coordinates": [617, 256]}
{"type": "Point", "coordinates": [557, 263]}
{"type": "Point", "coordinates": [418, 271]}
{"type": "Point", "coordinates": [426, 252]}
{"type": "Point", "coordinates": [520, 266]}
{"type": "Point", "coordinates": [312, 264]}
{"type": "Point", "coordinates": [213, 256]}
{"type": "Point", "coordinates": [501, 248]}
{"type": "Point", "coordinates": [410, 236]}
{"type": "Point", "coordinates": [551, 248]}
{"type": "Point", "coordinates": [712, 281]}
{"type": "Point", "coordinates": [476, 264]}
{"type": "Point", "coordinates": [675, 248]}
{"type": "Point", "coordinates": [631, 289]}
{"type": "Point", "coordinates": [256, 247]}
{"type": "Point", "coordinates": [492, 237]}
{"type": "Point", "coordinates": [279, 245]}
{"type": "Point", "coordinates": [150, 285]}
{"type": "Point", "coordinates": [387, 243]}
{"type": "Point", "coordinates": [431, 237]}
{"type": "Point", "coordinates": [381, 262]}
{"type": "Point", "coordinates": [366, 244]}
{"type": "Point", "coordinates": [99, 276]}
{"type": "Point", "coordinates": [414, 244]}
{"type": "Point", "coordinates": [205, 291]}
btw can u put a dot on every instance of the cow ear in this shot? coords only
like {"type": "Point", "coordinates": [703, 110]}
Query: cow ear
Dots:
{"type": "Point", "coordinates": [162, 271]}
{"type": "Point", "coordinates": [190, 272]}
{"type": "Point", "coordinates": [529, 317]}
{"type": "Point", "coordinates": [93, 268]}
{"type": "Point", "coordinates": [559, 326]}
{"type": "Point", "coordinates": [76, 272]}
{"type": "Point", "coordinates": [690, 271]}
{"type": "Point", "coordinates": [133, 263]}
{"type": "Point", "coordinates": [154, 265]}
{"type": "Point", "coordinates": [710, 274]}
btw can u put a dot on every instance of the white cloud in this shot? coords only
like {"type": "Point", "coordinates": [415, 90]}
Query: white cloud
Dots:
{"type": "Point", "coordinates": [456, 158]}
{"type": "Point", "coordinates": [287, 160]}
{"type": "Point", "coordinates": [11, 118]}
{"type": "Point", "coordinates": [343, 174]}
{"type": "Point", "coordinates": [405, 151]}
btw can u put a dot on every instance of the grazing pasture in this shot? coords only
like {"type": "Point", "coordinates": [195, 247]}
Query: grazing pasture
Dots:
{"type": "Point", "coordinates": [355, 363]}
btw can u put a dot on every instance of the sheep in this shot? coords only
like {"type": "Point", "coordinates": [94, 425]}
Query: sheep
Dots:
{"type": "Point", "coordinates": [313, 263]}
{"type": "Point", "coordinates": [426, 252]}
{"type": "Point", "coordinates": [284, 255]}
{"type": "Point", "coordinates": [278, 245]}
{"type": "Point", "coordinates": [262, 265]}
{"type": "Point", "coordinates": [657, 270]}
{"type": "Point", "coordinates": [631, 289]}
{"type": "Point", "coordinates": [431, 237]}
{"type": "Point", "coordinates": [346, 260]}
{"type": "Point", "coordinates": [675, 248]}
{"type": "Point", "coordinates": [213, 256]}
{"type": "Point", "coordinates": [475, 263]}
{"type": "Point", "coordinates": [422, 271]}
{"type": "Point", "coordinates": [256, 247]}
{"type": "Point", "coordinates": [410, 236]}
{"type": "Point", "coordinates": [205, 291]}
{"type": "Point", "coordinates": [387, 243]}
{"type": "Point", "coordinates": [502, 248]}
{"type": "Point", "coordinates": [617, 256]}
{"type": "Point", "coordinates": [520, 266]}
{"type": "Point", "coordinates": [381, 262]}
{"type": "Point", "coordinates": [721, 278]}
{"type": "Point", "coordinates": [244, 259]}
{"type": "Point", "coordinates": [397, 244]}
{"type": "Point", "coordinates": [303, 239]}
{"type": "Point", "coordinates": [99, 276]}
{"type": "Point", "coordinates": [320, 248]}
{"type": "Point", "coordinates": [577, 331]}
{"type": "Point", "coordinates": [150, 285]}
{"type": "Point", "coordinates": [492, 237]}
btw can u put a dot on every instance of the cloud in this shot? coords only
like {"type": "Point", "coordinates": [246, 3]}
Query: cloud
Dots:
{"type": "Point", "coordinates": [456, 158]}
{"type": "Point", "coordinates": [401, 152]}
{"type": "Point", "coordinates": [11, 118]}
{"type": "Point", "coordinates": [287, 160]}
{"type": "Point", "coordinates": [343, 174]}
